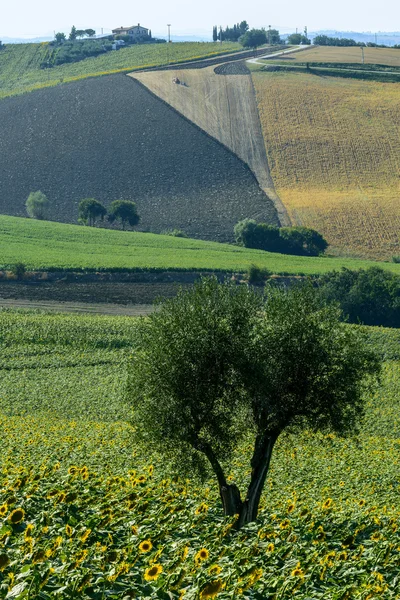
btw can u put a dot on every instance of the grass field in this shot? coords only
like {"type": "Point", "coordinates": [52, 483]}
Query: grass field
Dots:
{"type": "Point", "coordinates": [333, 146]}
{"type": "Point", "coordinates": [334, 54]}
{"type": "Point", "coordinates": [20, 63]}
{"type": "Point", "coordinates": [98, 514]}
{"type": "Point", "coordinates": [46, 245]}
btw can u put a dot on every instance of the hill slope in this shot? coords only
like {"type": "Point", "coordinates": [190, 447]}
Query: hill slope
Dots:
{"type": "Point", "coordinates": [20, 63]}
{"type": "Point", "coordinates": [110, 138]}
{"type": "Point", "coordinates": [333, 147]}
{"type": "Point", "coordinates": [46, 245]}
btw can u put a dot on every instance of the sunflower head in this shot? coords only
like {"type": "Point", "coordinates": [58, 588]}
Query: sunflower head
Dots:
{"type": "Point", "coordinates": [145, 546]}
{"type": "Point", "coordinates": [153, 572]}
{"type": "Point", "coordinates": [3, 510]}
{"type": "Point", "coordinates": [327, 504]}
{"type": "Point", "coordinates": [4, 561]}
{"type": "Point", "coordinates": [17, 516]}
{"type": "Point", "coordinates": [212, 589]}
{"type": "Point", "coordinates": [202, 554]}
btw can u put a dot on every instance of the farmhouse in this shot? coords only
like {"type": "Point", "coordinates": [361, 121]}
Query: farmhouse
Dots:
{"type": "Point", "coordinates": [135, 32]}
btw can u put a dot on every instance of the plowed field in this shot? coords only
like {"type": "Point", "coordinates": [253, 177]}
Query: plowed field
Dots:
{"type": "Point", "coordinates": [221, 101]}
{"type": "Point", "coordinates": [109, 138]}
{"type": "Point", "coordinates": [334, 151]}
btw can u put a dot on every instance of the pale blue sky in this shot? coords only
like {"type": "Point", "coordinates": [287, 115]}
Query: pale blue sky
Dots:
{"type": "Point", "coordinates": [22, 18]}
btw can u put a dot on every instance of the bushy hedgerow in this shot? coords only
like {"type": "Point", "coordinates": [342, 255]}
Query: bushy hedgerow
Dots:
{"type": "Point", "coordinates": [300, 241]}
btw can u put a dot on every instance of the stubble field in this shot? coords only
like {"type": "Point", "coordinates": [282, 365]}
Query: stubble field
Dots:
{"type": "Point", "coordinates": [333, 147]}
{"type": "Point", "coordinates": [335, 54]}
{"type": "Point", "coordinates": [84, 512]}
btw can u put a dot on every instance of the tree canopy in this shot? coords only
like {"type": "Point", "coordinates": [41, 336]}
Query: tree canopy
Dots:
{"type": "Point", "coordinates": [369, 296]}
{"type": "Point", "coordinates": [90, 210]}
{"type": "Point", "coordinates": [253, 38]}
{"type": "Point", "coordinates": [124, 211]}
{"type": "Point", "coordinates": [37, 205]}
{"type": "Point", "coordinates": [220, 362]}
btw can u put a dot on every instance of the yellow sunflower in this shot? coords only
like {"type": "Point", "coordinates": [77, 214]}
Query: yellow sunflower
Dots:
{"type": "Point", "coordinates": [17, 516]}
{"type": "Point", "coordinates": [153, 572]}
{"type": "Point", "coordinates": [145, 546]}
{"type": "Point", "coordinates": [3, 510]}
{"type": "Point", "coordinates": [212, 589]}
{"type": "Point", "coordinates": [297, 572]}
{"type": "Point", "coordinates": [202, 554]}
{"type": "Point", "coordinates": [214, 570]}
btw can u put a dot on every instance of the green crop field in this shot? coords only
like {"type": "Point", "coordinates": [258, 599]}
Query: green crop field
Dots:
{"type": "Point", "coordinates": [45, 245]}
{"type": "Point", "coordinates": [84, 513]}
{"type": "Point", "coordinates": [20, 63]}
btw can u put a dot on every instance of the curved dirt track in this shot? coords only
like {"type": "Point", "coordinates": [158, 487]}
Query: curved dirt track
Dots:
{"type": "Point", "coordinates": [222, 102]}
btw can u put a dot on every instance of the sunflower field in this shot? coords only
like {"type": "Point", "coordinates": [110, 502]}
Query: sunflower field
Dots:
{"type": "Point", "coordinates": [85, 513]}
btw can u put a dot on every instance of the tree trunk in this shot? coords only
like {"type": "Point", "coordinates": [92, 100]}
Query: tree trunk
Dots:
{"type": "Point", "coordinates": [260, 463]}
{"type": "Point", "coordinates": [230, 496]}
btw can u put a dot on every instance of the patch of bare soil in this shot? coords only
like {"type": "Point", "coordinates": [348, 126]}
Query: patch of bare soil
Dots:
{"type": "Point", "coordinates": [109, 138]}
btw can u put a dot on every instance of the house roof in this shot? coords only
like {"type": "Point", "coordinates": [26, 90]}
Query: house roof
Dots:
{"type": "Point", "coordinates": [128, 28]}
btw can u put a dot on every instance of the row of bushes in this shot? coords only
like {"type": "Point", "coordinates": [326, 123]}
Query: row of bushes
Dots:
{"type": "Point", "coordinates": [300, 241]}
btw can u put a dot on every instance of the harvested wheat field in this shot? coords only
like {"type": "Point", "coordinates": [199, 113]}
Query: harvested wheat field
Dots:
{"type": "Point", "coordinates": [353, 54]}
{"type": "Point", "coordinates": [333, 147]}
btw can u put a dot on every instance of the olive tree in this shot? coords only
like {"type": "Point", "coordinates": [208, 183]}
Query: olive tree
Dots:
{"type": "Point", "coordinates": [37, 205]}
{"type": "Point", "coordinates": [221, 361]}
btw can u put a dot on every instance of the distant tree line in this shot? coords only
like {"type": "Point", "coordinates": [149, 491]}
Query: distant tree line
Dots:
{"type": "Point", "coordinates": [300, 241]}
{"type": "Point", "coordinates": [325, 40]}
{"type": "Point", "coordinates": [230, 34]}
{"type": "Point", "coordinates": [249, 38]}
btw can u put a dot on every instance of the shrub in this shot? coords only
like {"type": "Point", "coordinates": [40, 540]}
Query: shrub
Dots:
{"type": "Point", "coordinates": [175, 233]}
{"type": "Point", "coordinates": [37, 205]}
{"type": "Point", "coordinates": [288, 240]}
{"type": "Point", "coordinates": [19, 270]}
{"type": "Point", "coordinates": [257, 275]}
{"type": "Point", "coordinates": [396, 259]}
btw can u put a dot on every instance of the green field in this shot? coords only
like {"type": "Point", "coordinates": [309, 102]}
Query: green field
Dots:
{"type": "Point", "coordinates": [330, 512]}
{"type": "Point", "coordinates": [20, 63]}
{"type": "Point", "coordinates": [45, 245]}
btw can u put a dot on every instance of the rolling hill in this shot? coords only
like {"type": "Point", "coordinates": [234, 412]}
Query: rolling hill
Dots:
{"type": "Point", "coordinates": [109, 138]}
